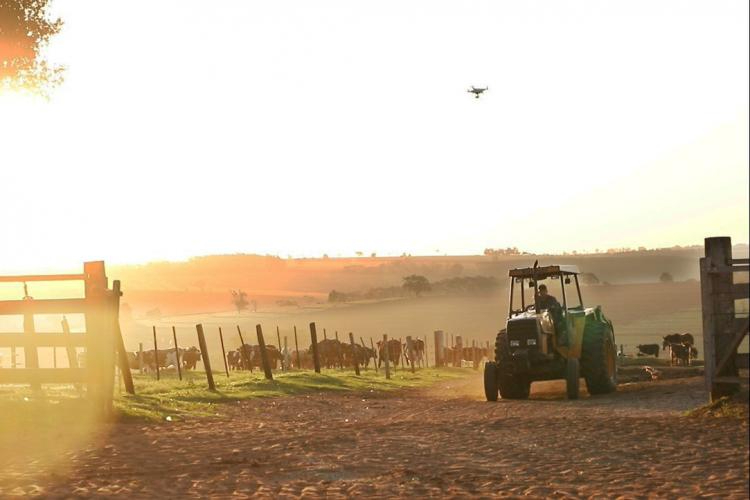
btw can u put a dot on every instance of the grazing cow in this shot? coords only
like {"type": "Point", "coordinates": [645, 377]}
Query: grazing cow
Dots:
{"type": "Point", "coordinates": [418, 346]}
{"type": "Point", "coordinates": [252, 353]}
{"type": "Point", "coordinates": [305, 360]}
{"type": "Point", "coordinates": [677, 338]}
{"type": "Point", "coordinates": [133, 360]}
{"type": "Point", "coordinates": [364, 354]}
{"type": "Point", "coordinates": [394, 351]}
{"type": "Point", "coordinates": [233, 360]}
{"type": "Point", "coordinates": [330, 352]}
{"type": "Point", "coordinates": [680, 354]}
{"type": "Point", "coordinates": [648, 350]}
{"type": "Point", "coordinates": [190, 358]}
{"type": "Point", "coordinates": [681, 348]}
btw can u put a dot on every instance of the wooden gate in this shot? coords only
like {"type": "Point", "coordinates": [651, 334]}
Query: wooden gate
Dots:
{"type": "Point", "coordinates": [99, 306]}
{"type": "Point", "coordinates": [723, 331]}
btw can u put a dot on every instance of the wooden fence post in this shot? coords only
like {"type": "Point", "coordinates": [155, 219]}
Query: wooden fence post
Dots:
{"type": "Point", "coordinates": [122, 354]}
{"type": "Point", "coordinates": [459, 351]}
{"type": "Point", "coordinates": [72, 358]}
{"type": "Point", "coordinates": [439, 348]}
{"type": "Point", "coordinates": [426, 353]}
{"type": "Point", "coordinates": [263, 353]}
{"type": "Point", "coordinates": [377, 355]}
{"type": "Point", "coordinates": [722, 331]}
{"type": "Point", "coordinates": [206, 359]}
{"type": "Point", "coordinates": [223, 352]}
{"type": "Point", "coordinates": [286, 352]}
{"type": "Point", "coordinates": [296, 348]}
{"type": "Point", "coordinates": [338, 351]}
{"type": "Point", "coordinates": [325, 335]}
{"type": "Point", "coordinates": [278, 339]}
{"type": "Point", "coordinates": [314, 340]}
{"type": "Point", "coordinates": [354, 353]}
{"type": "Point", "coordinates": [156, 353]}
{"type": "Point", "coordinates": [386, 356]}
{"type": "Point", "coordinates": [410, 348]}
{"type": "Point", "coordinates": [176, 352]}
{"type": "Point", "coordinates": [366, 361]}
{"type": "Point", "coordinates": [140, 357]}
{"type": "Point", "coordinates": [475, 354]}
{"type": "Point", "coordinates": [243, 352]}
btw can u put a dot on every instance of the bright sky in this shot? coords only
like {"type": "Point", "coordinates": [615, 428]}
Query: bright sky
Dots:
{"type": "Point", "coordinates": [300, 128]}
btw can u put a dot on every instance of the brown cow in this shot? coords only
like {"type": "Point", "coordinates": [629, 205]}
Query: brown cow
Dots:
{"type": "Point", "coordinates": [394, 351]}
{"type": "Point", "coordinates": [190, 358]}
{"type": "Point", "coordinates": [330, 352]}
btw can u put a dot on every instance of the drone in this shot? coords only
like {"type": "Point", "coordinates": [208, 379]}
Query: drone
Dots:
{"type": "Point", "coordinates": [477, 91]}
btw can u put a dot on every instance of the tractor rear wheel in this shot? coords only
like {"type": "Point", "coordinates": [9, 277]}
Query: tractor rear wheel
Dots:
{"type": "Point", "coordinates": [510, 385]}
{"type": "Point", "coordinates": [572, 378]}
{"type": "Point", "coordinates": [490, 380]}
{"type": "Point", "coordinates": [599, 357]}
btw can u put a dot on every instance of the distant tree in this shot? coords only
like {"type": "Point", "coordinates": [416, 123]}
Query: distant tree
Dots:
{"type": "Point", "coordinates": [25, 30]}
{"type": "Point", "coordinates": [416, 284]}
{"type": "Point", "coordinates": [373, 255]}
{"type": "Point", "coordinates": [358, 254]}
{"type": "Point", "coordinates": [239, 299]}
{"type": "Point", "coordinates": [666, 277]}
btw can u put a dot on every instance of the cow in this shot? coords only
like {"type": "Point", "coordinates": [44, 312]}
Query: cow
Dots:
{"type": "Point", "coordinates": [394, 351]}
{"type": "Point", "coordinates": [364, 354]}
{"type": "Point", "coordinates": [190, 358]}
{"type": "Point", "coordinates": [330, 353]}
{"type": "Point", "coordinates": [233, 360]}
{"type": "Point", "coordinates": [252, 355]}
{"type": "Point", "coordinates": [682, 354]}
{"type": "Point", "coordinates": [648, 350]}
{"type": "Point", "coordinates": [418, 346]}
{"type": "Point", "coordinates": [677, 338]}
{"type": "Point", "coordinates": [305, 360]}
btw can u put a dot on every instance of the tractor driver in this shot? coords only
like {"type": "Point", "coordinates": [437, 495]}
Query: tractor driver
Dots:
{"type": "Point", "coordinates": [545, 300]}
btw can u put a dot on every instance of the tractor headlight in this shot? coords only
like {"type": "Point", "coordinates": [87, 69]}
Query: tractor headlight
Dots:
{"type": "Point", "coordinates": [531, 342]}
{"type": "Point", "coordinates": [515, 343]}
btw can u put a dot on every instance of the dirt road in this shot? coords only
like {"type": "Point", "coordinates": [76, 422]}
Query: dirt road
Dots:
{"type": "Point", "coordinates": [445, 441]}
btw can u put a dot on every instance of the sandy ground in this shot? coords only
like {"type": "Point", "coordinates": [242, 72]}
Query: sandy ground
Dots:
{"type": "Point", "coordinates": [442, 441]}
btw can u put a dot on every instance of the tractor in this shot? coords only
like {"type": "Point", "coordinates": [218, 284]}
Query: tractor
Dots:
{"type": "Point", "coordinates": [545, 339]}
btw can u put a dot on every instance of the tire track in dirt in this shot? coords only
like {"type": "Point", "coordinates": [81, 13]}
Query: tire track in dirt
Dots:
{"type": "Point", "coordinates": [440, 441]}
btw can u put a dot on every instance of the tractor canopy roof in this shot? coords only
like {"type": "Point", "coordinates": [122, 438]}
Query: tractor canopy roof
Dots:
{"type": "Point", "coordinates": [543, 272]}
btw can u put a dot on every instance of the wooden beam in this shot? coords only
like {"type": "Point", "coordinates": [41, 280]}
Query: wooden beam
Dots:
{"type": "Point", "coordinates": [740, 291]}
{"type": "Point", "coordinates": [43, 340]}
{"type": "Point", "coordinates": [43, 375]}
{"type": "Point", "coordinates": [48, 277]}
{"type": "Point", "coordinates": [48, 306]}
{"type": "Point", "coordinates": [731, 349]}
{"type": "Point", "coordinates": [728, 380]}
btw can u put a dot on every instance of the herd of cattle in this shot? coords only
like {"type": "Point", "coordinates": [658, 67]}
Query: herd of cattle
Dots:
{"type": "Point", "coordinates": [681, 349]}
{"type": "Point", "coordinates": [332, 353]}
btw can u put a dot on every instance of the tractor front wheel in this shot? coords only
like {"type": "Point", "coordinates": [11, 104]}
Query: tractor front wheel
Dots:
{"type": "Point", "coordinates": [490, 381]}
{"type": "Point", "coordinates": [599, 358]}
{"type": "Point", "coordinates": [572, 378]}
{"type": "Point", "coordinates": [510, 385]}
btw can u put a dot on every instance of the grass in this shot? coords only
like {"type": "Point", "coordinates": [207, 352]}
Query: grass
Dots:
{"type": "Point", "coordinates": [726, 407]}
{"type": "Point", "coordinates": [171, 399]}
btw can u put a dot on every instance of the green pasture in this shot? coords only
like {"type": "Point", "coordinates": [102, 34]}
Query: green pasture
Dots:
{"type": "Point", "coordinates": [170, 399]}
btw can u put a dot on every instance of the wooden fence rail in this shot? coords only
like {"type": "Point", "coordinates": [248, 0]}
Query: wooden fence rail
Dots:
{"type": "Point", "coordinates": [101, 341]}
{"type": "Point", "coordinates": [722, 330]}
